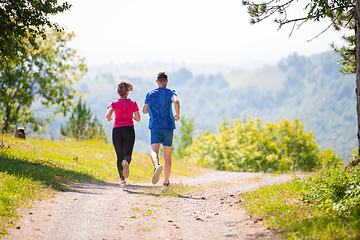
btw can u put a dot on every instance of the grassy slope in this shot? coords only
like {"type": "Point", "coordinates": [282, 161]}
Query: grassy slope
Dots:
{"type": "Point", "coordinates": [32, 169]}
{"type": "Point", "coordinates": [269, 78]}
{"type": "Point", "coordinates": [281, 207]}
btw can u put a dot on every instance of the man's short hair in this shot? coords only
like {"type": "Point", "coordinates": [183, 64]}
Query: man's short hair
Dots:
{"type": "Point", "coordinates": [162, 77]}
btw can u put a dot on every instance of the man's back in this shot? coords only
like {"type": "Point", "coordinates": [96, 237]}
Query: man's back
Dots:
{"type": "Point", "coordinates": [160, 108]}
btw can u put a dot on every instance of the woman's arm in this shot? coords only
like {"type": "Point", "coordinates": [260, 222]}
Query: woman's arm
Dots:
{"type": "Point", "coordinates": [136, 116]}
{"type": "Point", "coordinates": [109, 113]}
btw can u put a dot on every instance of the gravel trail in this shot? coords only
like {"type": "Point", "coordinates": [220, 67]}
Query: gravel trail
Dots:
{"type": "Point", "coordinates": [139, 211]}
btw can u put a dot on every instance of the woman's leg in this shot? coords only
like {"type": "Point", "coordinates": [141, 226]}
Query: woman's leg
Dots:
{"type": "Point", "coordinates": [118, 145]}
{"type": "Point", "coordinates": [128, 142]}
{"type": "Point", "coordinates": [128, 145]}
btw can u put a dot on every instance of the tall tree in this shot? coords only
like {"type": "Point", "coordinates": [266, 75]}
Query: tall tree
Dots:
{"type": "Point", "coordinates": [80, 125]}
{"type": "Point", "coordinates": [45, 74]}
{"type": "Point", "coordinates": [22, 22]}
{"type": "Point", "coordinates": [343, 13]}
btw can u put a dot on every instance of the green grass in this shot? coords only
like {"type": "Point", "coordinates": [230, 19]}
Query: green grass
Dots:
{"type": "Point", "coordinates": [16, 191]}
{"type": "Point", "coordinates": [32, 169]}
{"type": "Point", "coordinates": [281, 207]}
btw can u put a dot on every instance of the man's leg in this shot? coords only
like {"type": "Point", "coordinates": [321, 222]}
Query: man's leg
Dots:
{"type": "Point", "coordinates": [155, 160]}
{"type": "Point", "coordinates": [167, 165]}
{"type": "Point", "coordinates": [154, 148]}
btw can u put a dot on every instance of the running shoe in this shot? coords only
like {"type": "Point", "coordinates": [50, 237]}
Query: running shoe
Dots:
{"type": "Point", "coordinates": [156, 176]}
{"type": "Point", "coordinates": [166, 186]}
{"type": "Point", "coordinates": [123, 183]}
{"type": "Point", "coordinates": [125, 165]}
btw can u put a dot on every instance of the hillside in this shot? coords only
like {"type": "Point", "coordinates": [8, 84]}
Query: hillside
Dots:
{"type": "Point", "coordinates": [268, 78]}
{"type": "Point", "coordinates": [310, 88]}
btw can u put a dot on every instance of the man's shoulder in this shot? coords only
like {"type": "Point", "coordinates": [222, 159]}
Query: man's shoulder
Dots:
{"type": "Point", "coordinates": [153, 91]}
{"type": "Point", "coordinates": [160, 92]}
{"type": "Point", "coordinates": [170, 91]}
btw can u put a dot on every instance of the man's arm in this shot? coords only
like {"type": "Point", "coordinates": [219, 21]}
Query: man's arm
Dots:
{"type": "Point", "coordinates": [145, 109]}
{"type": "Point", "coordinates": [177, 107]}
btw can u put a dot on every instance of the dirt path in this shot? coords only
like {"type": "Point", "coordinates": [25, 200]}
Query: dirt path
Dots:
{"type": "Point", "coordinates": [106, 211]}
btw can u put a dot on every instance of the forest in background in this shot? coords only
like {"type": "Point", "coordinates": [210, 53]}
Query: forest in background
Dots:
{"type": "Point", "coordinates": [310, 88]}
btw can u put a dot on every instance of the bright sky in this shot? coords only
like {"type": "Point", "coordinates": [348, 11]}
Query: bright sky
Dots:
{"type": "Point", "coordinates": [186, 31]}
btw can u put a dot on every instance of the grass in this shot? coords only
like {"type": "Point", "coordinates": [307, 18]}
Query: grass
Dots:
{"type": "Point", "coordinates": [280, 207]}
{"type": "Point", "coordinates": [32, 169]}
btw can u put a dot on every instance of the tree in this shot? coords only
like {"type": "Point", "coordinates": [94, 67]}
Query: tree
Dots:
{"type": "Point", "coordinates": [46, 75]}
{"type": "Point", "coordinates": [22, 22]}
{"type": "Point", "coordinates": [186, 129]}
{"type": "Point", "coordinates": [343, 14]}
{"type": "Point", "coordinates": [80, 126]}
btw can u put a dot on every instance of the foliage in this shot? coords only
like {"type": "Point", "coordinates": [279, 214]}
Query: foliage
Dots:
{"type": "Point", "coordinates": [279, 207]}
{"type": "Point", "coordinates": [335, 191]}
{"type": "Point", "coordinates": [80, 125]}
{"type": "Point", "coordinates": [186, 129]}
{"type": "Point", "coordinates": [340, 12]}
{"type": "Point", "coordinates": [45, 75]}
{"type": "Point", "coordinates": [250, 146]}
{"type": "Point", "coordinates": [323, 206]}
{"type": "Point", "coordinates": [347, 53]}
{"type": "Point", "coordinates": [22, 22]}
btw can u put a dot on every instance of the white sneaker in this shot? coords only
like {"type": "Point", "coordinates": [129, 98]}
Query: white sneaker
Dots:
{"type": "Point", "coordinates": [156, 176]}
{"type": "Point", "coordinates": [166, 186]}
{"type": "Point", "coordinates": [125, 165]}
{"type": "Point", "coordinates": [123, 183]}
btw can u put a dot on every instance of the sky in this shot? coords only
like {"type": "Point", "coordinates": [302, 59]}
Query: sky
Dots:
{"type": "Point", "coordinates": [186, 31]}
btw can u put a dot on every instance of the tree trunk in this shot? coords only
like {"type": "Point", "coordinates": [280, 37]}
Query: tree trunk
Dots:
{"type": "Point", "coordinates": [357, 58]}
{"type": "Point", "coordinates": [7, 120]}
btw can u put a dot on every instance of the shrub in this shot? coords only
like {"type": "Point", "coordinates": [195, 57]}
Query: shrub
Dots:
{"type": "Point", "coordinates": [250, 146]}
{"type": "Point", "coordinates": [335, 190]}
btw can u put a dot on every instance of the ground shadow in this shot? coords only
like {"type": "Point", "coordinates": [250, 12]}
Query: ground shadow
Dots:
{"type": "Point", "coordinates": [155, 191]}
{"type": "Point", "coordinates": [45, 172]}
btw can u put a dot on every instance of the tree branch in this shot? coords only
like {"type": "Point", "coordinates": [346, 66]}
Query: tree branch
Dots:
{"type": "Point", "coordinates": [332, 23]}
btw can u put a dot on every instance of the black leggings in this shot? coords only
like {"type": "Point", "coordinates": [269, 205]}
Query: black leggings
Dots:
{"type": "Point", "coordinates": [123, 140]}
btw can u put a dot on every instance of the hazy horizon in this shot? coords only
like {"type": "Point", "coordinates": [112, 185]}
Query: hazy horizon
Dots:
{"type": "Point", "coordinates": [186, 32]}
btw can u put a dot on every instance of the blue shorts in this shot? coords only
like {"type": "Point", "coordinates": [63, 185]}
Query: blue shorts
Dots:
{"type": "Point", "coordinates": [162, 135]}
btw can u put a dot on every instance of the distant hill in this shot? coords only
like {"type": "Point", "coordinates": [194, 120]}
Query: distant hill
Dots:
{"type": "Point", "coordinates": [267, 78]}
{"type": "Point", "coordinates": [310, 88]}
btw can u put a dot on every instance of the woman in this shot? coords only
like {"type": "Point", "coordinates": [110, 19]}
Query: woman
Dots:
{"type": "Point", "coordinates": [123, 133]}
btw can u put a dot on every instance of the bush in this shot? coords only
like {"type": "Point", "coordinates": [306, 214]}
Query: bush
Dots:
{"type": "Point", "coordinates": [335, 190]}
{"type": "Point", "coordinates": [250, 146]}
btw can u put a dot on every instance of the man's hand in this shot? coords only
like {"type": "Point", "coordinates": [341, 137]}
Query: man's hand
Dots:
{"type": "Point", "coordinates": [176, 118]}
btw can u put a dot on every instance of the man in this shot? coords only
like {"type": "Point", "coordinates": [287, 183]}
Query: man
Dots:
{"type": "Point", "coordinates": [158, 104]}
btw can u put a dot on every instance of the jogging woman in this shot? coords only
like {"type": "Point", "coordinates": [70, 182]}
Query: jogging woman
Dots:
{"type": "Point", "coordinates": [123, 133]}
